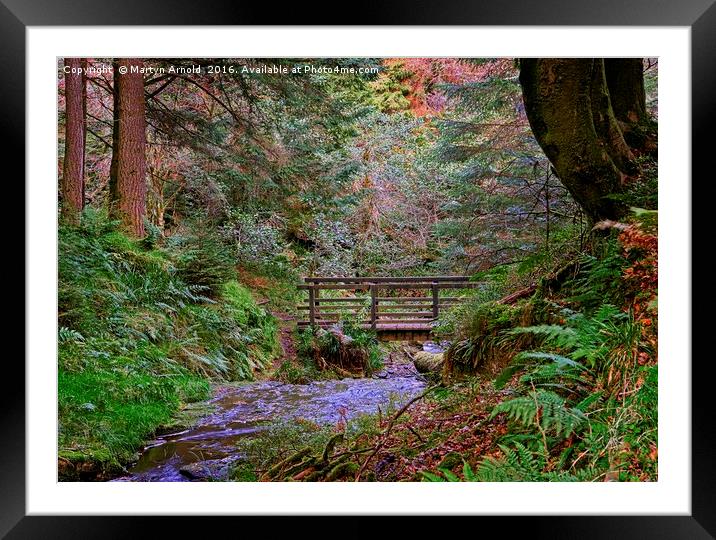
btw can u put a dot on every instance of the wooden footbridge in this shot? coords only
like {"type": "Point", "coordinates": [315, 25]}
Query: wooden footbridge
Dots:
{"type": "Point", "coordinates": [396, 308]}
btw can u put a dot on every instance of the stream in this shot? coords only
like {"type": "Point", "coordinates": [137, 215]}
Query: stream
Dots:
{"type": "Point", "coordinates": [207, 450]}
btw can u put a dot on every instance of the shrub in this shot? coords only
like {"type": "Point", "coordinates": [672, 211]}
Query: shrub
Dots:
{"type": "Point", "coordinates": [202, 259]}
{"type": "Point", "coordinates": [480, 344]}
{"type": "Point", "coordinates": [343, 348]}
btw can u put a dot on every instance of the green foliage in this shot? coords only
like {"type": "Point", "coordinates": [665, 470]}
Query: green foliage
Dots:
{"type": "Point", "coordinates": [584, 405]}
{"type": "Point", "coordinates": [480, 342]}
{"type": "Point", "coordinates": [543, 409]}
{"type": "Point", "coordinates": [202, 259]}
{"type": "Point", "coordinates": [643, 192]}
{"type": "Point", "coordinates": [104, 415]}
{"type": "Point", "coordinates": [330, 353]}
{"type": "Point", "coordinates": [279, 441]}
{"type": "Point", "coordinates": [592, 339]}
{"type": "Point", "coordinates": [518, 464]}
{"type": "Point", "coordinates": [599, 279]}
{"type": "Point", "coordinates": [575, 387]}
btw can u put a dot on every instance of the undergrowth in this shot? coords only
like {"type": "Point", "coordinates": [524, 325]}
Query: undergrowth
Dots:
{"type": "Point", "coordinates": [583, 375]}
{"type": "Point", "coordinates": [343, 350]}
{"type": "Point", "coordinates": [142, 331]}
{"type": "Point", "coordinates": [302, 450]}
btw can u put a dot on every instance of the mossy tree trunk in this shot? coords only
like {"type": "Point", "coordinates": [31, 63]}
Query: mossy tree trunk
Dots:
{"type": "Point", "coordinates": [569, 108]}
{"type": "Point", "coordinates": [625, 79]}
{"type": "Point", "coordinates": [130, 165]}
{"type": "Point", "coordinates": [72, 185]}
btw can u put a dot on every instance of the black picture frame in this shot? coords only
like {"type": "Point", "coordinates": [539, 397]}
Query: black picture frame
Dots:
{"type": "Point", "coordinates": [699, 15]}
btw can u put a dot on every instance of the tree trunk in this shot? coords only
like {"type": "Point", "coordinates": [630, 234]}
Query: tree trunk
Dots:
{"type": "Point", "coordinates": [84, 129]}
{"type": "Point", "coordinates": [606, 125]}
{"type": "Point", "coordinates": [72, 181]}
{"type": "Point", "coordinates": [568, 107]}
{"type": "Point", "coordinates": [625, 79]}
{"type": "Point", "coordinates": [113, 192]}
{"type": "Point", "coordinates": [131, 166]}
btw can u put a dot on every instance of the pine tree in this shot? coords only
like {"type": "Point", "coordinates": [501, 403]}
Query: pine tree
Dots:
{"type": "Point", "coordinates": [129, 145]}
{"type": "Point", "coordinates": [72, 185]}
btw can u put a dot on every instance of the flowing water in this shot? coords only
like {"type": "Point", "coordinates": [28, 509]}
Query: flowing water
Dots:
{"type": "Point", "coordinates": [208, 449]}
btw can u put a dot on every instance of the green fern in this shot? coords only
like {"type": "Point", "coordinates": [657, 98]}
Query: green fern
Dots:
{"type": "Point", "coordinates": [560, 336]}
{"type": "Point", "coordinates": [589, 339]}
{"type": "Point", "coordinates": [446, 475]}
{"type": "Point", "coordinates": [67, 335]}
{"type": "Point", "coordinates": [516, 465]}
{"type": "Point", "coordinates": [519, 464]}
{"type": "Point", "coordinates": [431, 477]}
{"type": "Point", "coordinates": [554, 415]}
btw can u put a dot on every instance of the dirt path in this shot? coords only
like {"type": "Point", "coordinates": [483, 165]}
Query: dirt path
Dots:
{"type": "Point", "coordinates": [286, 328]}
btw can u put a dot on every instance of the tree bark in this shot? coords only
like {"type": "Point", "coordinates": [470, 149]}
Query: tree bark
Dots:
{"type": "Point", "coordinates": [605, 122]}
{"type": "Point", "coordinates": [84, 129]}
{"type": "Point", "coordinates": [568, 107]}
{"type": "Point", "coordinates": [131, 166]}
{"type": "Point", "coordinates": [113, 192]}
{"type": "Point", "coordinates": [625, 80]}
{"type": "Point", "coordinates": [72, 185]}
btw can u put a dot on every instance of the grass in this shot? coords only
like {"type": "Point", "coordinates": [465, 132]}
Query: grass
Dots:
{"type": "Point", "coordinates": [104, 416]}
{"type": "Point", "coordinates": [275, 284]}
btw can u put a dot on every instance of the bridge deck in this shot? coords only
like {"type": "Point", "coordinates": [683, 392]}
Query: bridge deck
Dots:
{"type": "Point", "coordinates": [381, 327]}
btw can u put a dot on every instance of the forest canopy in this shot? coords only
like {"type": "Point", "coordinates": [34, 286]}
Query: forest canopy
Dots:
{"type": "Point", "coordinates": [427, 154]}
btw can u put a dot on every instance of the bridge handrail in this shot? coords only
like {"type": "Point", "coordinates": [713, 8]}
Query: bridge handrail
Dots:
{"type": "Point", "coordinates": [381, 279]}
{"type": "Point", "coordinates": [374, 284]}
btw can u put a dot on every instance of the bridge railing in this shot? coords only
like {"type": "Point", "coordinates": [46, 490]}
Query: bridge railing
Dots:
{"type": "Point", "coordinates": [380, 303]}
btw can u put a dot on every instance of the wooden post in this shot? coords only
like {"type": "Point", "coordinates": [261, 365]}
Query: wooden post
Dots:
{"type": "Point", "coordinates": [373, 307]}
{"type": "Point", "coordinates": [311, 305]}
{"type": "Point", "coordinates": [436, 303]}
{"type": "Point", "coordinates": [316, 296]}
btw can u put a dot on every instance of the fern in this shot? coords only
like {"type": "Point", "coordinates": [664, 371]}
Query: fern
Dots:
{"type": "Point", "coordinates": [561, 362]}
{"type": "Point", "coordinates": [446, 475]}
{"type": "Point", "coordinates": [560, 336]}
{"type": "Point", "coordinates": [468, 473]}
{"type": "Point", "coordinates": [590, 400]}
{"type": "Point", "coordinates": [599, 278]}
{"type": "Point", "coordinates": [590, 339]}
{"type": "Point", "coordinates": [553, 413]}
{"type": "Point", "coordinates": [431, 477]}
{"type": "Point", "coordinates": [519, 464]}
{"type": "Point", "coordinates": [67, 335]}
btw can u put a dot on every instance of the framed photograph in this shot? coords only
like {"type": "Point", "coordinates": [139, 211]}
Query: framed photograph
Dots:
{"type": "Point", "coordinates": [405, 266]}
